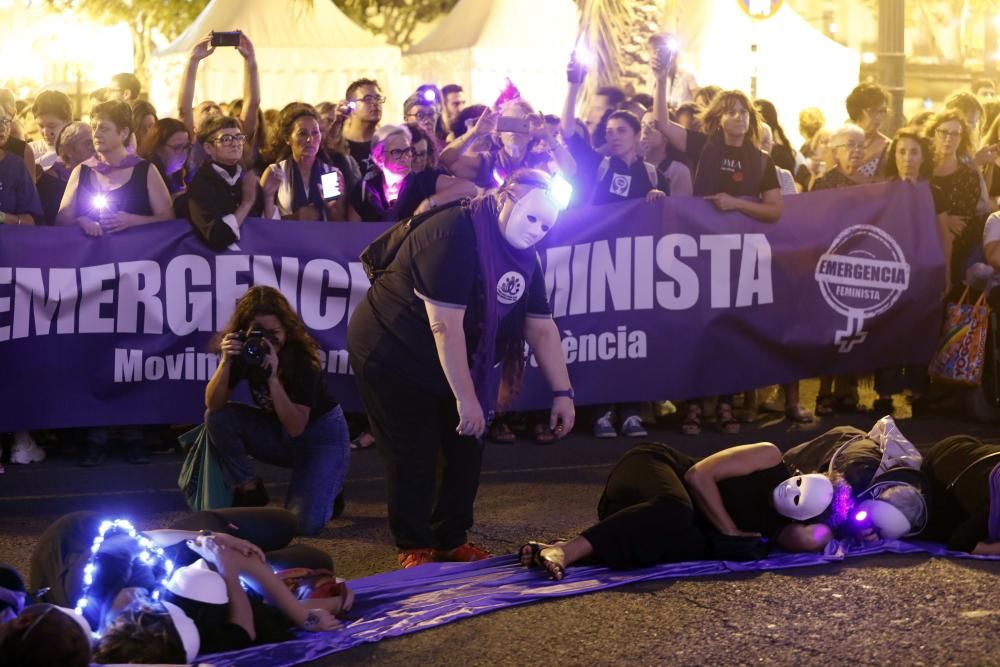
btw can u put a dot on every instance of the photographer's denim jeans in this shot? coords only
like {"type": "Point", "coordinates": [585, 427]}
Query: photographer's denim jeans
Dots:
{"type": "Point", "coordinates": [318, 458]}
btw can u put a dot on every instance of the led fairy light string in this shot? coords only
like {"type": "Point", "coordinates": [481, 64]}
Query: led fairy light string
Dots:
{"type": "Point", "coordinates": [150, 554]}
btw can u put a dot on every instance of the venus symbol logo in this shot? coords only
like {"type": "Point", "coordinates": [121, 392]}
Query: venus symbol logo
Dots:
{"type": "Point", "coordinates": [861, 275]}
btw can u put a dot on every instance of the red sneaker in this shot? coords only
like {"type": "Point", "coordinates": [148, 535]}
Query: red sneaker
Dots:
{"type": "Point", "coordinates": [413, 557]}
{"type": "Point", "coordinates": [465, 553]}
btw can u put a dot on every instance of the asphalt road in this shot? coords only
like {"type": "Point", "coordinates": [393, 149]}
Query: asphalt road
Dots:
{"type": "Point", "coordinates": [907, 610]}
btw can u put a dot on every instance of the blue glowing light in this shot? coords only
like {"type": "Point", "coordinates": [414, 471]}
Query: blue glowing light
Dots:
{"type": "Point", "coordinates": [429, 95]}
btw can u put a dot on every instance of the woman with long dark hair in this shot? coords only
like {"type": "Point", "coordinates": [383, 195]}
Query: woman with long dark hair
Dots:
{"type": "Point", "coordinates": [730, 171]}
{"type": "Point", "coordinates": [300, 163]}
{"type": "Point", "coordinates": [294, 422]}
{"type": "Point", "coordinates": [168, 147]}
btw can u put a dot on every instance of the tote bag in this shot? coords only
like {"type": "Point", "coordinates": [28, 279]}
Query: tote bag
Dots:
{"type": "Point", "coordinates": [962, 348]}
{"type": "Point", "coordinates": [201, 479]}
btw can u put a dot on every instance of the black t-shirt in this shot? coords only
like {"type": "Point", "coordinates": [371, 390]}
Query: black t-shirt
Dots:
{"type": "Point", "coordinates": [438, 262]}
{"type": "Point", "coordinates": [731, 168]}
{"type": "Point", "coordinates": [857, 462]}
{"type": "Point", "coordinates": [618, 182]}
{"type": "Point", "coordinates": [748, 500]}
{"type": "Point", "coordinates": [303, 382]}
{"type": "Point", "coordinates": [361, 151]}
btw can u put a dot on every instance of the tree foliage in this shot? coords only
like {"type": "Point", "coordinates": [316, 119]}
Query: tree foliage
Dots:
{"type": "Point", "coordinates": [146, 18]}
{"type": "Point", "coordinates": [394, 19]}
{"type": "Point", "coordinates": [617, 33]}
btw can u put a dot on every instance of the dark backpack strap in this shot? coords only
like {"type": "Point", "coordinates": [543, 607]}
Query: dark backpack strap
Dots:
{"type": "Point", "coordinates": [380, 253]}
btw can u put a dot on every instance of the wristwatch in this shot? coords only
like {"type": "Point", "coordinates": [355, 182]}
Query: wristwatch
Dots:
{"type": "Point", "coordinates": [568, 393]}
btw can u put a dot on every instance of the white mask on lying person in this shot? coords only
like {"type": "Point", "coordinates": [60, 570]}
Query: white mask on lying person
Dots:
{"type": "Point", "coordinates": [531, 218]}
{"type": "Point", "coordinates": [803, 496]}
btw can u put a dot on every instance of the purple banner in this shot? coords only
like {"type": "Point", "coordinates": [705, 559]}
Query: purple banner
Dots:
{"type": "Point", "coordinates": [669, 300]}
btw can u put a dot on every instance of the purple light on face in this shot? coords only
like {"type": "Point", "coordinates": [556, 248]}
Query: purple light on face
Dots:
{"type": "Point", "coordinates": [861, 516]}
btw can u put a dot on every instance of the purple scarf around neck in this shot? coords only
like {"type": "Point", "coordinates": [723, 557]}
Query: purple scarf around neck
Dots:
{"type": "Point", "coordinates": [484, 216]}
{"type": "Point", "coordinates": [103, 168]}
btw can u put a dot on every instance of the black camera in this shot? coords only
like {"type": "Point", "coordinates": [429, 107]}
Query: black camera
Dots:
{"type": "Point", "coordinates": [256, 346]}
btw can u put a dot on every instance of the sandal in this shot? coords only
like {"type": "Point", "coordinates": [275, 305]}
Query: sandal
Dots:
{"type": "Point", "coordinates": [364, 441]}
{"type": "Point", "coordinates": [500, 433]}
{"type": "Point", "coordinates": [529, 551]}
{"type": "Point", "coordinates": [727, 422]}
{"type": "Point", "coordinates": [824, 405]}
{"type": "Point", "coordinates": [692, 420]}
{"type": "Point", "coordinates": [544, 435]}
{"type": "Point", "coordinates": [797, 413]}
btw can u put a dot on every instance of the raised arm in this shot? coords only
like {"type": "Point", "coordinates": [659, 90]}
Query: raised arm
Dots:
{"type": "Point", "coordinates": [703, 479]}
{"type": "Point", "coordinates": [185, 99]}
{"type": "Point", "coordinates": [251, 86]}
{"type": "Point", "coordinates": [675, 134]}
{"type": "Point", "coordinates": [453, 157]}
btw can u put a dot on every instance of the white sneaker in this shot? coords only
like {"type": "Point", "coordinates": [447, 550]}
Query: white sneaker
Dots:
{"type": "Point", "coordinates": [26, 450]}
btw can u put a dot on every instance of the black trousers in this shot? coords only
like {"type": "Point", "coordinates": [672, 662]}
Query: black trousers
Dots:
{"type": "Point", "coordinates": [646, 515]}
{"type": "Point", "coordinates": [432, 473]}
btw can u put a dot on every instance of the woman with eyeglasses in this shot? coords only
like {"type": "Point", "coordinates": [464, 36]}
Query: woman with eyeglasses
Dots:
{"type": "Point", "coordinates": [392, 191]}
{"type": "Point", "coordinates": [867, 107]}
{"type": "Point", "coordinates": [847, 147]}
{"type": "Point", "coordinates": [74, 145]}
{"type": "Point", "coordinates": [424, 151]}
{"type": "Point", "coordinates": [222, 194]}
{"type": "Point", "coordinates": [298, 173]}
{"type": "Point", "coordinates": [958, 190]}
{"type": "Point", "coordinates": [168, 148]}
{"type": "Point", "coordinates": [839, 393]}
{"type": "Point", "coordinates": [114, 190]}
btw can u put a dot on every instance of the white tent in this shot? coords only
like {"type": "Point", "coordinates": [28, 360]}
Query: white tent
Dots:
{"type": "Point", "coordinates": [482, 42]}
{"type": "Point", "coordinates": [796, 65]}
{"type": "Point", "coordinates": [305, 51]}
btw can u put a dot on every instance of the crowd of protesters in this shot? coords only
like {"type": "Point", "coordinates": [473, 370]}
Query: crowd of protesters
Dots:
{"type": "Point", "coordinates": [475, 172]}
{"type": "Point", "coordinates": [219, 163]}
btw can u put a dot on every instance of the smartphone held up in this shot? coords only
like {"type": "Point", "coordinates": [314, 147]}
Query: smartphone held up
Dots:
{"type": "Point", "coordinates": [330, 182]}
{"type": "Point", "coordinates": [231, 38]}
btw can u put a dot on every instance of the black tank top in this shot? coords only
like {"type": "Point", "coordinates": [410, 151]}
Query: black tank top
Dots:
{"type": "Point", "coordinates": [133, 197]}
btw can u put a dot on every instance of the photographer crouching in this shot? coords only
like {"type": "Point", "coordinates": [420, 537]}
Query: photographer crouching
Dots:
{"type": "Point", "coordinates": [462, 294]}
{"type": "Point", "coordinates": [295, 423]}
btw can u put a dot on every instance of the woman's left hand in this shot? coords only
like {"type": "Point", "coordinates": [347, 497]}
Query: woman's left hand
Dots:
{"type": "Point", "coordinates": [562, 417]}
{"type": "Point", "coordinates": [117, 221]}
{"type": "Point", "coordinates": [724, 201]}
{"type": "Point", "coordinates": [271, 362]}
{"type": "Point", "coordinates": [245, 47]}
{"type": "Point", "coordinates": [248, 549]}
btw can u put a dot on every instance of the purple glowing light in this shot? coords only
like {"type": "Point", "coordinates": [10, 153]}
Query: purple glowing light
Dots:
{"type": "Point", "coordinates": [861, 516]}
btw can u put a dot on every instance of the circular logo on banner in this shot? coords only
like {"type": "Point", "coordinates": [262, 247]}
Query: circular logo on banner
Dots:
{"type": "Point", "coordinates": [863, 273]}
{"type": "Point", "coordinates": [510, 288]}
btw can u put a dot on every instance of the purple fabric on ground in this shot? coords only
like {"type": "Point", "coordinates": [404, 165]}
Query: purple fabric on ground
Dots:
{"type": "Point", "coordinates": [397, 603]}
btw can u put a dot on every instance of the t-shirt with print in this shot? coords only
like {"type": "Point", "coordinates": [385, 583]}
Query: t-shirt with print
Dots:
{"type": "Point", "coordinates": [619, 181]}
{"type": "Point", "coordinates": [304, 383]}
{"type": "Point", "coordinates": [731, 167]}
{"type": "Point", "coordinates": [438, 263]}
